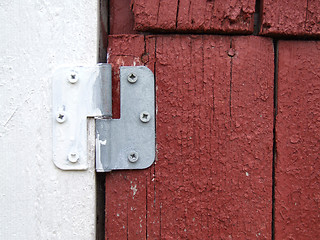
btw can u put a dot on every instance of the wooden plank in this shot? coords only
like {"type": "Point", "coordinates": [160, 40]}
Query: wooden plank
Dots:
{"type": "Point", "coordinates": [121, 17]}
{"type": "Point", "coordinates": [194, 16]}
{"type": "Point", "coordinates": [291, 18]}
{"type": "Point", "coordinates": [213, 172]}
{"type": "Point", "coordinates": [297, 212]}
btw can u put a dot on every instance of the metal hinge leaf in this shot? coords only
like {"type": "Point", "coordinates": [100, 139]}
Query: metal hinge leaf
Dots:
{"type": "Point", "coordinates": [125, 143]}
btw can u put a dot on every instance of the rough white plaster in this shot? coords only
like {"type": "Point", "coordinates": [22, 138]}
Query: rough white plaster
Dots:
{"type": "Point", "coordinates": [38, 200]}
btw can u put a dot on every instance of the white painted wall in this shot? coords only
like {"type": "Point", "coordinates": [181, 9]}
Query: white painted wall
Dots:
{"type": "Point", "coordinates": [37, 200]}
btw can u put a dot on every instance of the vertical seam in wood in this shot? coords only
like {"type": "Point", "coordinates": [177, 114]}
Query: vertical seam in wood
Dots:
{"type": "Point", "coordinates": [146, 216]}
{"type": "Point", "coordinates": [155, 109]}
{"type": "Point", "coordinates": [231, 62]}
{"type": "Point", "coordinates": [159, 2]}
{"type": "Point", "coordinates": [127, 219]}
{"type": "Point", "coordinates": [306, 19]}
{"type": "Point", "coordinates": [275, 112]}
{"type": "Point", "coordinates": [160, 219]}
{"type": "Point", "coordinates": [177, 13]}
{"type": "Point", "coordinates": [257, 17]}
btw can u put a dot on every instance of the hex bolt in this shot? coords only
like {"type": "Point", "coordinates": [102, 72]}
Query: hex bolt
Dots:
{"type": "Point", "coordinates": [145, 116]}
{"type": "Point", "coordinates": [73, 77]}
{"type": "Point", "coordinates": [133, 156]}
{"type": "Point", "coordinates": [61, 116]}
{"type": "Point", "coordinates": [73, 157]}
{"type": "Point", "coordinates": [132, 78]}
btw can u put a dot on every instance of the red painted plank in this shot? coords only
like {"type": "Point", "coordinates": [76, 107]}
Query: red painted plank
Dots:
{"type": "Point", "coordinates": [297, 195]}
{"type": "Point", "coordinates": [121, 17]}
{"type": "Point", "coordinates": [291, 18]}
{"type": "Point", "coordinates": [196, 16]}
{"type": "Point", "coordinates": [126, 191]}
{"type": "Point", "coordinates": [212, 177]}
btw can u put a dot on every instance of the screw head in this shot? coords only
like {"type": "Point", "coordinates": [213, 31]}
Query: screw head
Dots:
{"type": "Point", "coordinates": [231, 52]}
{"type": "Point", "coordinates": [61, 116]}
{"type": "Point", "coordinates": [73, 157]}
{"type": "Point", "coordinates": [133, 156]}
{"type": "Point", "coordinates": [73, 77]}
{"type": "Point", "coordinates": [145, 116]}
{"type": "Point", "coordinates": [132, 78]}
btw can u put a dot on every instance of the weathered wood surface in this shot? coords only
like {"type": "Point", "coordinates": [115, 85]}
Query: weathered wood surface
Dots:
{"type": "Point", "coordinates": [121, 17]}
{"type": "Point", "coordinates": [297, 195]}
{"type": "Point", "coordinates": [291, 18]}
{"type": "Point", "coordinates": [213, 174]}
{"type": "Point", "coordinates": [225, 16]}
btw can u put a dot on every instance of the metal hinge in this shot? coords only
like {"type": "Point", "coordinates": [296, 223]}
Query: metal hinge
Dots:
{"type": "Point", "coordinates": [125, 143]}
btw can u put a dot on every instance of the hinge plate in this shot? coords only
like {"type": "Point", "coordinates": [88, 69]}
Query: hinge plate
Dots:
{"type": "Point", "coordinates": [129, 142]}
{"type": "Point", "coordinates": [78, 93]}
{"type": "Point", "coordinates": [125, 143]}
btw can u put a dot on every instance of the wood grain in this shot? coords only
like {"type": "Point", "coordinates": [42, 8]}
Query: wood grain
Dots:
{"type": "Point", "coordinates": [297, 195]}
{"type": "Point", "coordinates": [194, 16]}
{"type": "Point", "coordinates": [213, 174]}
{"type": "Point", "coordinates": [291, 18]}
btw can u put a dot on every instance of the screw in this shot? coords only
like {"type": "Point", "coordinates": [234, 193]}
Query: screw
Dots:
{"type": "Point", "coordinates": [61, 116]}
{"type": "Point", "coordinates": [145, 116]}
{"type": "Point", "coordinates": [73, 157]}
{"type": "Point", "coordinates": [73, 77]}
{"type": "Point", "coordinates": [231, 52]}
{"type": "Point", "coordinates": [132, 78]}
{"type": "Point", "coordinates": [133, 156]}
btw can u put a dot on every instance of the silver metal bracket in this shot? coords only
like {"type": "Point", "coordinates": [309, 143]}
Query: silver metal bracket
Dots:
{"type": "Point", "coordinates": [125, 143]}
{"type": "Point", "coordinates": [78, 93]}
{"type": "Point", "coordinates": [129, 142]}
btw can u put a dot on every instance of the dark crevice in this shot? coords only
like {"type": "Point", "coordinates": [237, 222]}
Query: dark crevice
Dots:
{"type": "Point", "coordinates": [177, 13]}
{"type": "Point", "coordinates": [257, 18]}
{"type": "Point", "coordinates": [158, 11]}
{"type": "Point", "coordinates": [275, 112]}
{"type": "Point", "coordinates": [231, 62]}
{"type": "Point", "coordinates": [146, 207]}
{"type": "Point", "coordinates": [160, 220]}
{"type": "Point", "coordinates": [155, 112]}
{"type": "Point", "coordinates": [127, 220]}
{"type": "Point", "coordinates": [306, 19]}
{"type": "Point", "coordinates": [108, 12]}
{"type": "Point", "coordinates": [100, 178]}
{"type": "Point", "coordinates": [100, 205]}
{"type": "Point", "coordinates": [168, 32]}
{"type": "Point", "coordinates": [103, 30]}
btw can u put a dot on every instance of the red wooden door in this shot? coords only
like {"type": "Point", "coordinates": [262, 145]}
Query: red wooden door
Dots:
{"type": "Point", "coordinates": [237, 158]}
{"type": "Point", "coordinates": [212, 178]}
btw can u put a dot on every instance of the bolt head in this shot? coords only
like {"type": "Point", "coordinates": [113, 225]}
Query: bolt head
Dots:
{"type": "Point", "coordinates": [73, 77]}
{"type": "Point", "coordinates": [73, 157]}
{"type": "Point", "coordinates": [145, 117]}
{"type": "Point", "coordinates": [61, 116]}
{"type": "Point", "coordinates": [132, 78]}
{"type": "Point", "coordinates": [133, 156]}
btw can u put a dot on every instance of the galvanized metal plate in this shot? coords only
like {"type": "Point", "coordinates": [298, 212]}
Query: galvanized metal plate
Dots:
{"type": "Point", "coordinates": [78, 92]}
{"type": "Point", "coordinates": [129, 142]}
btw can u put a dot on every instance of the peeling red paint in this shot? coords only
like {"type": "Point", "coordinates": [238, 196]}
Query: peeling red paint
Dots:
{"type": "Point", "coordinates": [291, 18]}
{"type": "Point", "coordinates": [195, 16]}
{"type": "Point", "coordinates": [213, 173]}
{"type": "Point", "coordinates": [297, 195]}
